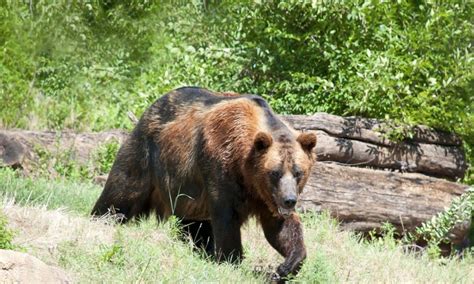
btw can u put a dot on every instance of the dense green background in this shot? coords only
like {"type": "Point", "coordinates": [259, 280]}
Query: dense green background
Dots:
{"type": "Point", "coordinates": [83, 64]}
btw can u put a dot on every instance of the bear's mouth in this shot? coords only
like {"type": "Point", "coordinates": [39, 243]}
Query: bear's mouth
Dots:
{"type": "Point", "coordinates": [285, 212]}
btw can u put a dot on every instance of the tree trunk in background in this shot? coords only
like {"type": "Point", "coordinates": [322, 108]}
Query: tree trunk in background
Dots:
{"type": "Point", "coordinates": [361, 142]}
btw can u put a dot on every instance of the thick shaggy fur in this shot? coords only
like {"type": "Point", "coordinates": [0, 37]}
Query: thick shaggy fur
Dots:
{"type": "Point", "coordinates": [214, 160]}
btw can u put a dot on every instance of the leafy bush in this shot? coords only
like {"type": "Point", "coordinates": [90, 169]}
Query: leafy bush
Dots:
{"type": "Point", "coordinates": [436, 230]}
{"type": "Point", "coordinates": [77, 60]}
{"type": "Point", "coordinates": [61, 163]}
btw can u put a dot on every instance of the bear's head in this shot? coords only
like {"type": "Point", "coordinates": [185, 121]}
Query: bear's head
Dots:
{"type": "Point", "coordinates": [282, 163]}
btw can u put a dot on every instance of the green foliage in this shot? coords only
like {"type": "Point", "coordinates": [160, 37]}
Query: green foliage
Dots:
{"type": "Point", "coordinates": [25, 191]}
{"type": "Point", "coordinates": [113, 254]}
{"type": "Point", "coordinates": [61, 164]}
{"type": "Point", "coordinates": [64, 163]}
{"type": "Point", "coordinates": [436, 230]}
{"type": "Point", "coordinates": [105, 156]}
{"type": "Point", "coordinates": [83, 65]}
{"type": "Point", "coordinates": [386, 237]}
{"type": "Point", "coordinates": [173, 226]}
{"type": "Point", "coordinates": [6, 235]}
{"type": "Point", "coordinates": [376, 59]}
{"type": "Point", "coordinates": [66, 166]}
{"type": "Point", "coordinates": [75, 59]}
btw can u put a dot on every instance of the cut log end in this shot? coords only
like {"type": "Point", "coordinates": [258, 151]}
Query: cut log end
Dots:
{"type": "Point", "coordinates": [12, 152]}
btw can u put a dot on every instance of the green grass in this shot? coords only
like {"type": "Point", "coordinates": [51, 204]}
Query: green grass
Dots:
{"type": "Point", "coordinates": [60, 193]}
{"type": "Point", "coordinates": [50, 218]}
{"type": "Point", "coordinates": [147, 252]}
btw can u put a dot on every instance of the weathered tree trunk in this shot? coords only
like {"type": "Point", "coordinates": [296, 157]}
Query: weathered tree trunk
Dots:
{"type": "Point", "coordinates": [367, 129]}
{"type": "Point", "coordinates": [361, 142]}
{"type": "Point", "coordinates": [361, 198]}
{"type": "Point", "coordinates": [430, 159]}
{"type": "Point", "coordinates": [80, 145]}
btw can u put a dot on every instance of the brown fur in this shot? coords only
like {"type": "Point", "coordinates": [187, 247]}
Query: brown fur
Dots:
{"type": "Point", "coordinates": [214, 160]}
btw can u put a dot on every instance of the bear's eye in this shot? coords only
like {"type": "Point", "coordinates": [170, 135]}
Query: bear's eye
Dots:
{"type": "Point", "coordinates": [275, 175]}
{"type": "Point", "coordinates": [298, 174]}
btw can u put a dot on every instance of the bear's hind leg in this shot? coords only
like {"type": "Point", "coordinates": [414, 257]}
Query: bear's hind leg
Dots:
{"type": "Point", "coordinates": [201, 234]}
{"type": "Point", "coordinates": [124, 196]}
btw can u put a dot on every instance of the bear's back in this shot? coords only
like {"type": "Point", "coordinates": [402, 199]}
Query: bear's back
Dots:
{"type": "Point", "coordinates": [172, 104]}
{"type": "Point", "coordinates": [167, 107]}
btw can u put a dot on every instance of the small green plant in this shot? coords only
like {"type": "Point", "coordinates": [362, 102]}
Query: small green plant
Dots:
{"type": "Point", "coordinates": [43, 165]}
{"type": "Point", "coordinates": [436, 230]}
{"type": "Point", "coordinates": [66, 165]}
{"type": "Point", "coordinates": [173, 226]}
{"type": "Point", "coordinates": [60, 164]}
{"type": "Point", "coordinates": [6, 235]}
{"type": "Point", "coordinates": [105, 156]}
{"type": "Point", "coordinates": [433, 250]}
{"type": "Point", "coordinates": [386, 236]}
{"type": "Point", "coordinates": [114, 253]}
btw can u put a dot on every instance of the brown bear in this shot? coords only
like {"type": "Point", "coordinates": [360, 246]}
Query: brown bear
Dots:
{"type": "Point", "coordinates": [214, 160]}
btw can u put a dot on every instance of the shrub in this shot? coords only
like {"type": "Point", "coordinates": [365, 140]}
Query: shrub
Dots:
{"type": "Point", "coordinates": [436, 230]}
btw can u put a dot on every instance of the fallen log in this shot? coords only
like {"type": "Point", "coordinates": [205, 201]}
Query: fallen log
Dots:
{"type": "Point", "coordinates": [363, 199]}
{"type": "Point", "coordinates": [367, 129]}
{"type": "Point", "coordinates": [80, 145]}
{"type": "Point", "coordinates": [430, 159]}
{"type": "Point", "coordinates": [352, 141]}
{"type": "Point", "coordinates": [362, 142]}
{"type": "Point", "coordinates": [12, 151]}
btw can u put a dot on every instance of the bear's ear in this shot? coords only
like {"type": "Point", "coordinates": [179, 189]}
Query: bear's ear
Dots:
{"type": "Point", "coordinates": [307, 141]}
{"type": "Point", "coordinates": [262, 141]}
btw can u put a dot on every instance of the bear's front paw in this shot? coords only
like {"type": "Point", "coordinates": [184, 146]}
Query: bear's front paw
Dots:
{"type": "Point", "coordinates": [275, 278]}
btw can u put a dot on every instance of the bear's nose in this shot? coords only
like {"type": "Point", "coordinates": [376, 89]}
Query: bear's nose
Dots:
{"type": "Point", "coordinates": [290, 202]}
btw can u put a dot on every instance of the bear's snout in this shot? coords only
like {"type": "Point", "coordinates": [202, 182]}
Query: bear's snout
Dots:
{"type": "Point", "coordinates": [287, 195]}
{"type": "Point", "coordinates": [290, 202]}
